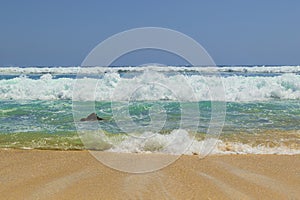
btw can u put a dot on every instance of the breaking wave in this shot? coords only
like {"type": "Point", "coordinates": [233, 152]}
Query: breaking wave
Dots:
{"type": "Point", "coordinates": [237, 87]}
{"type": "Point", "coordinates": [179, 141]}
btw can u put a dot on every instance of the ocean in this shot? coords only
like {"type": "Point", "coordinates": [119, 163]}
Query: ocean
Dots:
{"type": "Point", "coordinates": [38, 109]}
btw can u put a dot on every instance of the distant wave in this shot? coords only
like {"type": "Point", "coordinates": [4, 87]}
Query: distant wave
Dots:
{"type": "Point", "coordinates": [93, 70]}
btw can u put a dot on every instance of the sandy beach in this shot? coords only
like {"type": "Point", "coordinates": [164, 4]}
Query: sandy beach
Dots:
{"type": "Point", "coordinates": [44, 174]}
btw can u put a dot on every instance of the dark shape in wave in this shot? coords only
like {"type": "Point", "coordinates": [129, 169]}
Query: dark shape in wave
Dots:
{"type": "Point", "coordinates": [91, 117]}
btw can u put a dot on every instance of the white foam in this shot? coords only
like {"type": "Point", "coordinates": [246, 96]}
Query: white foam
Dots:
{"type": "Point", "coordinates": [174, 143]}
{"type": "Point", "coordinates": [237, 88]}
{"type": "Point", "coordinates": [179, 142]}
{"type": "Point", "coordinates": [45, 88]}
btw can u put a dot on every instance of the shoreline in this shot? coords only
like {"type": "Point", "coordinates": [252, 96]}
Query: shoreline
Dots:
{"type": "Point", "coordinates": [53, 174]}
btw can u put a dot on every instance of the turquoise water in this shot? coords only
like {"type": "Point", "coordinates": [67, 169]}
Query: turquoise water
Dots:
{"type": "Point", "coordinates": [24, 121]}
{"type": "Point", "coordinates": [262, 109]}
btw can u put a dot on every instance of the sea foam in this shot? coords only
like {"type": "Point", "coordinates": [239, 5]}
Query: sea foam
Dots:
{"type": "Point", "coordinates": [236, 88]}
{"type": "Point", "coordinates": [180, 142]}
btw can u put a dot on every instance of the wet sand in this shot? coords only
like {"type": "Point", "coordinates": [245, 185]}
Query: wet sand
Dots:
{"type": "Point", "coordinates": [44, 174]}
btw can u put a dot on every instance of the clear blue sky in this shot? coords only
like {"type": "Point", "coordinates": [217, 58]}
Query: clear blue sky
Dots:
{"type": "Point", "coordinates": [233, 32]}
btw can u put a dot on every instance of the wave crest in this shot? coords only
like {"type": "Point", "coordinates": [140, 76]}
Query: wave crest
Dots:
{"type": "Point", "coordinates": [237, 88]}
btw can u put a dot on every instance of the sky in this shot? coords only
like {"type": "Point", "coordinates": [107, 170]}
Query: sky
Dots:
{"type": "Point", "coordinates": [233, 32]}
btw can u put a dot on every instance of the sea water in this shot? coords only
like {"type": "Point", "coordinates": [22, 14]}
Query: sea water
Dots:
{"type": "Point", "coordinates": [262, 109]}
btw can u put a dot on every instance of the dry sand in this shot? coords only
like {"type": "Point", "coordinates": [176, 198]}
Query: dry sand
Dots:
{"type": "Point", "coordinates": [34, 174]}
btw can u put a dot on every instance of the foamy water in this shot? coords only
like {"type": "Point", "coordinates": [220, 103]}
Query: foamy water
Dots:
{"type": "Point", "coordinates": [179, 141]}
{"type": "Point", "coordinates": [36, 108]}
{"type": "Point", "coordinates": [237, 87]}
